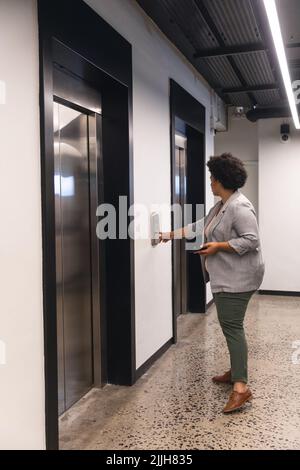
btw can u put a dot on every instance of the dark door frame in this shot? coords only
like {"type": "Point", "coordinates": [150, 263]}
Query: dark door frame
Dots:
{"type": "Point", "coordinates": [98, 54]}
{"type": "Point", "coordinates": [187, 116]}
{"type": "Point", "coordinates": [180, 303]}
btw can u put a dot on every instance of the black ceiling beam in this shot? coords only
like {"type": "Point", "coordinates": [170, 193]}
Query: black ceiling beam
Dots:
{"type": "Point", "coordinates": [170, 27]}
{"type": "Point", "coordinates": [265, 33]}
{"type": "Point", "coordinates": [293, 45]}
{"type": "Point", "coordinates": [294, 63]}
{"type": "Point", "coordinates": [210, 23]}
{"type": "Point", "coordinates": [229, 51]}
{"type": "Point", "coordinates": [236, 50]}
{"type": "Point", "coordinates": [249, 89]}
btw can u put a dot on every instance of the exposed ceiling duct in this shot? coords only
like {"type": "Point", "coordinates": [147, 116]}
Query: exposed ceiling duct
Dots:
{"type": "Point", "coordinates": [266, 113]}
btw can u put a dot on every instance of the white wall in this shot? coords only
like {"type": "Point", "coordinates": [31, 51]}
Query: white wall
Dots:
{"type": "Point", "coordinates": [273, 188]}
{"type": "Point", "coordinates": [242, 141]}
{"type": "Point", "coordinates": [21, 329]}
{"type": "Point", "coordinates": [155, 60]}
{"type": "Point", "coordinates": [279, 206]}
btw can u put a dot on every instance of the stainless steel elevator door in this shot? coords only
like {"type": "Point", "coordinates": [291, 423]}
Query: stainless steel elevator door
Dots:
{"type": "Point", "coordinates": [73, 255]}
{"type": "Point", "coordinates": [181, 255]}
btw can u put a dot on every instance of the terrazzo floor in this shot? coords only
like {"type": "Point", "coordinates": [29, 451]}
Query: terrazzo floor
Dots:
{"type": "Point", "coordinates": [175, 405]}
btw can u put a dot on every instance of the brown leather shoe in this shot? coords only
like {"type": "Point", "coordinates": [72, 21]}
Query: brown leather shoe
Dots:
{"type": "Point", "coordinates": [237, 400]}
{"type": "Point", "coordinates": [223, 379]}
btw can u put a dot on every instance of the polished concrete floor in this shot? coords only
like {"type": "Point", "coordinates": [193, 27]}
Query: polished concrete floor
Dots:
{"type": "Point", "coordinates": [175, 405]}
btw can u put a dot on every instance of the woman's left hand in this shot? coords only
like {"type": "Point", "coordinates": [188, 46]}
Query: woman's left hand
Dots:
{"type": "Point", "coordinates": [210, 248]}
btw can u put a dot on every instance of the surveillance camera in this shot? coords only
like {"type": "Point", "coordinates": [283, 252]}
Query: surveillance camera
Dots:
{"type": "Point", "coordinates": [284, 138]}
{"type": "Point", "coordinates": [284, 133]}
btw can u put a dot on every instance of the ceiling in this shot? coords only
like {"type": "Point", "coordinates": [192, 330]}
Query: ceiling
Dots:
{"type": "Point", "coordinates": [230, 44]}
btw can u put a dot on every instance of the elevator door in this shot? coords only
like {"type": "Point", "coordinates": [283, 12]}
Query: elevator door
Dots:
{"type": "Point", "coordinates": [181, 257]}
{"type": "Point", "coordinates": [73, 254]}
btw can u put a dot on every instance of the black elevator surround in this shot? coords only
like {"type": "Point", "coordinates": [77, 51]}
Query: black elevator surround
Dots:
{"type": "Point", "coordinates": [96, 53]}
{"type": "Point", "coordinates": [195, 195]}
{"type": "Point", "coordinates": [188, 120]}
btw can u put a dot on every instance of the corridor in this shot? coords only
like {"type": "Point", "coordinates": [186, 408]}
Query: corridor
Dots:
{"type": "Point", "coordinates": [176, 406]}
{"type": "Point", "coordinates": [154, 148]}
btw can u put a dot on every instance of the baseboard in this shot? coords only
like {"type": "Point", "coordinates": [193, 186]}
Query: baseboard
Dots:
{"type": "Point", "coordinates": [144, 367]}
{"type": "Point", "coordinates": [279, 292]}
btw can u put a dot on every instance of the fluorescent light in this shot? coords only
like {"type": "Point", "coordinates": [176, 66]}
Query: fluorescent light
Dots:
{"type": "Point", "coordinates": [272, 14]}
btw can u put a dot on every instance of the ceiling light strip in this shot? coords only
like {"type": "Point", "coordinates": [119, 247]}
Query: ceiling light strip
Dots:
{"type": "Point", "coordinates": [272, 14]}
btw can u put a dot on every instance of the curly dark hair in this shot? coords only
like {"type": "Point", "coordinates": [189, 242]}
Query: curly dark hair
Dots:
{"type": "Point", "coordinates": [228, 170]}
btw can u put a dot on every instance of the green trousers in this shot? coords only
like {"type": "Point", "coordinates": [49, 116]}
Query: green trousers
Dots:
{"type": "Point", "coordinates": [231, 309]}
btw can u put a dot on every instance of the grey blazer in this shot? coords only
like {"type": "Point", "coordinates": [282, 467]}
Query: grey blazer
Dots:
{"type": "Point", "coordinates": [241, 270]}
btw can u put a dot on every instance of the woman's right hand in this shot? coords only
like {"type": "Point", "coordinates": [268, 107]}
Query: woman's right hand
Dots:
{"type": "Point", "coordinates": [165, 237]}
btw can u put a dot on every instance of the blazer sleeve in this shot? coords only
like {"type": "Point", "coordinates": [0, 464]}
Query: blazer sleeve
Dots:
{"type": "Point", "coordinates": [246, 227]}
{"type": "Point", "coordinates": [197, 228]}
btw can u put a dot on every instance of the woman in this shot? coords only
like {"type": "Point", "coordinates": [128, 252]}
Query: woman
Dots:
{"type": "Point", "coordinates": [232, 261]}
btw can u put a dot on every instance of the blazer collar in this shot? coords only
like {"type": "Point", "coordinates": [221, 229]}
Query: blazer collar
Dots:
{"type": "Point", "coordinates": [222, 209]}
{"type": "Point", "coordinates": [230, 199]}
